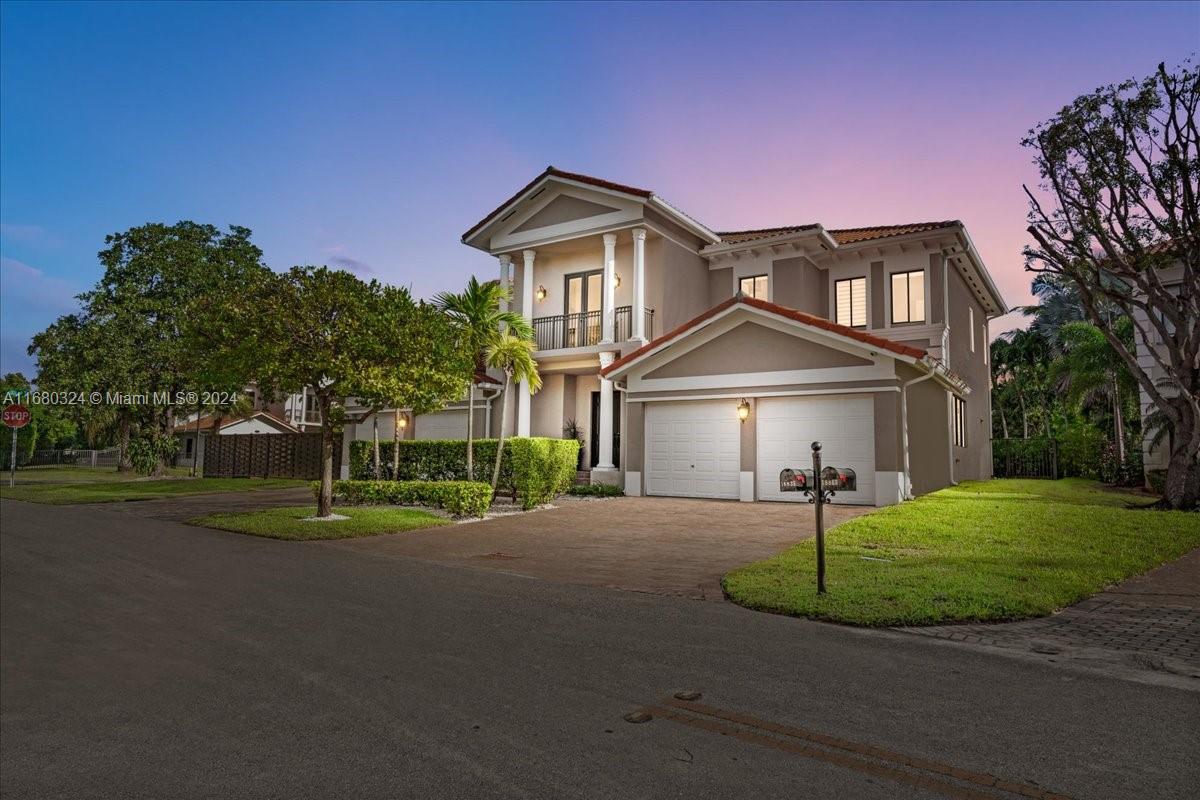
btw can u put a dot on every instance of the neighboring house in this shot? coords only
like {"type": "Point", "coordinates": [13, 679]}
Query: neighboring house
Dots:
{"type": "Point", "coordinates": [1155, 458]}
{"type": "Point", "coordinates": [651, 330]}
{"type": "Point", "coordinates": [191, 434]}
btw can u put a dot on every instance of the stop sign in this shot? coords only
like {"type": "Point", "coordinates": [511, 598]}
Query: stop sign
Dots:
{"type": "Point", "coordinates": [16, 416]}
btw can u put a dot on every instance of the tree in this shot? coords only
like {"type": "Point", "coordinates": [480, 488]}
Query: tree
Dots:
{"type": "Point", "coordinates": [476, 311]}
{"type": "Point", "coordinates": [435, 372]}
{"type": "Point", "coordinates": [1090, 371]}
{"type": "Point", "coordinates": [512, 355]}
{"type": "Point", "coordinates": [330, 331]}
{"type": "Point", "coordinates": [1116, 209]}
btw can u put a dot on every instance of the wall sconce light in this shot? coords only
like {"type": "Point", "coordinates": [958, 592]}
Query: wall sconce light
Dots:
{"type": "Point", "coordinates": [743, 409]}
{"type": "Point", "coordinates": [616, 281]}
{"type": "Point", "coordinates": [540, 293]}
{"type": "Point", "coordinates": [403, 421]}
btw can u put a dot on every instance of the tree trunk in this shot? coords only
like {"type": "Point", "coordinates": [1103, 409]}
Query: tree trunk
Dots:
{"type": "Point", "coordinates": [396, 445]}
{"type": "Point", "coordinates": [1024, 415]}
{"type": "Point", "coordinates": [196, 443]}
{"type": "Point", "coordinates": [325, 497]}
{"type": "Point", "coordinates": [375, 442]}
{"type": "Point", "coordinates": [1118, 421]}
{"type": "Point", "coordinates": [471, 429]}
{"type": "Point", "coordinates": [503, 423]}
{"type": "Point", "coordinates": [123, 462]}
{"type": "Point", "coordinates": [1182, 488]}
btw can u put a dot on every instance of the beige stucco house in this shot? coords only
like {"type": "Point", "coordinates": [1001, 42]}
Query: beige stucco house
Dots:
{"type": "Point", "coordinates": [652, 329]}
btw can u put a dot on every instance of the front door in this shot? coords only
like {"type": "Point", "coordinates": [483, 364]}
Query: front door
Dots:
{"type": "Point", "coordinates": [595, 440]}
{"type": "Point", "coordinates": [581, 327]}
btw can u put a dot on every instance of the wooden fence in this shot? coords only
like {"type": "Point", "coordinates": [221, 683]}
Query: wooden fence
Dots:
{"type": "Point", "coordinates": [267, 455]}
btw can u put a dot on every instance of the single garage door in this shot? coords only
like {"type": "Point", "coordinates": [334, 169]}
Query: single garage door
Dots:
{"type": "Point", "coordinates": [441, 425]}
{"type": "Point", "coordinates": [843, 424]}
{"type": "Point", "coordinates": [693, 449]}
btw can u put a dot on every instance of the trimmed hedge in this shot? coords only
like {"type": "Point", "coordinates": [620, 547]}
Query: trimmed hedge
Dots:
{"type": "Point", "coordinates": [533, 468]}
{"type": "Point", "coordinates": [457, 497]}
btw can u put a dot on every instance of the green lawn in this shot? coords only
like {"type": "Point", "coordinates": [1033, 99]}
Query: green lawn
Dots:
{"type": "Point", "coordinates": [981, 551]}
{"type": "Point", "coordinates": [81, 474]}
{"type": "Point", "coordinates": [107, 490]}
{"type": "Point", "coordinates": [289, 523]}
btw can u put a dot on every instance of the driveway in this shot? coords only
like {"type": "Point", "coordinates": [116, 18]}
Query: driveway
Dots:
{"type": "Point", "coordinates": [657, 545]}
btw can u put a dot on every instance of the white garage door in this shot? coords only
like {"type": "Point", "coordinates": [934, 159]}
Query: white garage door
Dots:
{"type": "Point", "coordinates": [442, 425]}
{"type": "Point", "coordinates": [843, 424]}
{"type": "Point", "coordinates": [693, 449]}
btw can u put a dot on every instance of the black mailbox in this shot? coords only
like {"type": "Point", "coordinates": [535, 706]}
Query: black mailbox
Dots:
{"type": "Point", "coordinates": [839, 479]}
{"type": "Point", "coordinates": [791, 480]}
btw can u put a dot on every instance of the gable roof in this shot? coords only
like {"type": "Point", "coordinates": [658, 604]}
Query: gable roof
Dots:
{"type": "Point", "coordinates": [773, 308]}
{"type": "Point", "coordinates": [840, 235]}
{"type": "Point", "coordinates": [554, 172]}
{"type": "Point", "coordinates": [209, 421]}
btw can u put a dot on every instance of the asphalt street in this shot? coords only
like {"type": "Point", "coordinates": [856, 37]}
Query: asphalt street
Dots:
{"type": "Point", "coordinates": [142, 657]}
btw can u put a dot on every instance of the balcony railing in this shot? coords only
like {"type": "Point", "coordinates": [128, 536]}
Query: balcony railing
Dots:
{"type": "Point", "coordinates": [583, 329]}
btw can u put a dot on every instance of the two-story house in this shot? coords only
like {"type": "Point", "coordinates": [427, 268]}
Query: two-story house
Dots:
{"type": "Point", "coordinates": [701, 363]}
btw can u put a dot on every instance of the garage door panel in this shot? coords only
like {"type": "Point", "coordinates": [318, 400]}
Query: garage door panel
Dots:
{"type": "Point", "coordinates": [441, 425]}
{"type": "Point", "coordinates": [698, 453]}
{"type": "Point", "coordinates": [845, 426]}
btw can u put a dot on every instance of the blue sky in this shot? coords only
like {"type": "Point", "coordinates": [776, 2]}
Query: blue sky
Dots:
{"type": "Point", "coordinates": [371, 136]}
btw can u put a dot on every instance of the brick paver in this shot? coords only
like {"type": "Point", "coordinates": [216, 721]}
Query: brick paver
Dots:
{"type": "Point", "coordinates": [1152, 621]}
{"type": "Point", "coordinates": [660, 545]}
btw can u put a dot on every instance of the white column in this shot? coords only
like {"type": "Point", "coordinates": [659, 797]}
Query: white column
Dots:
{"type": "Point", "coordinates": [523, 398]}
{"type": "Point", "coordinates": [605, 460]}
{"type": "Point", "coordinates": [505, 279]}
{"type": "Point", "coordinates": [607, 314]}
{"type": "Point", "coordinates": [639, 284]}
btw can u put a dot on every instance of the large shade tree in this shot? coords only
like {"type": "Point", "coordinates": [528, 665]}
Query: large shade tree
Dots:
{"type": "Point", "coordinates": [1116, 211]}
{"type": "Point", "coordinates": [341, 337]}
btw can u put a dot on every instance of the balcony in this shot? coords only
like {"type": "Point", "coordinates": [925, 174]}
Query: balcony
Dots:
{"type": "Point", "coordinates": [583, 329]}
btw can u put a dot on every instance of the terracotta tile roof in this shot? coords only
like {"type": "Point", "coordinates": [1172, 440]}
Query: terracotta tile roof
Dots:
{"type": "Point", "coordinates": [854, 235]}
{"type": "Point", "coordinates": [559, 173]}
{"type": "Point", "coordinates": [209, 421]}
{"type": "Point", "coordinates": [783, 311]}
{"type": "Point", "coordinates": [736, 237]}
{"type": "Point", "coordinates": [483, 377]}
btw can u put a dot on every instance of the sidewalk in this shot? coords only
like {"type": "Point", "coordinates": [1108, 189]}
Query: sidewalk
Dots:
{"type": "Point", "coordinates": [1149, 622]}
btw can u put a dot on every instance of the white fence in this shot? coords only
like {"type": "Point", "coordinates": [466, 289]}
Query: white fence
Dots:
{"type": "Point", "coordinates": [71, 458]}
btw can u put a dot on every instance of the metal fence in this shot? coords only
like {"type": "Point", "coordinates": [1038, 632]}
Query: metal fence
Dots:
{"type": "Point", "coordinates": [267, 455]}
{"type": "Point", "coordinates": [1033, 459]}
{"type": "Point", "coordinates": [66, 458]}
{"type": "Point", "coordinates": [583, 329]}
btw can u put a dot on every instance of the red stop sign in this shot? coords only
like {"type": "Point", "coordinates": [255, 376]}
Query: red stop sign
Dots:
{"type": "Point", "coordinates": [16, 416]}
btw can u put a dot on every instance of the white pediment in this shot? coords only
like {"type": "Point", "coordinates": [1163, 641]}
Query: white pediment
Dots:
{"type": "Point", "coordinates": [562, 210]}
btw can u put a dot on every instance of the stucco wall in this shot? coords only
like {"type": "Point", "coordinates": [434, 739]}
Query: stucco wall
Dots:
{"type": "Point", "coordinates": [973, 462]}
{"type": "Point", "coordinates": [928, 436]}
{"type": "Point", "coordinates": [755, 348]}
{"type": "Point", "coordinates": [800, 285]}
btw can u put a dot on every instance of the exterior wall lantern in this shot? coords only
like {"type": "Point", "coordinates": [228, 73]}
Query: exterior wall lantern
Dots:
{"type": "Point", "coordinates": [743, 410]}
{"type": "Point", "coordinates": [403, 421]}
{"type": "Point", "coordinates": [541, 293]}
{"type": "Point", "coordinates": [616, 281]}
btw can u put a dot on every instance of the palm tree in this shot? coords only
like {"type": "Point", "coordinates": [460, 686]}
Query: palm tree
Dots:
{"type": "Point", "coordinates": [1090, 371]}
{"type": "Point", "coordinates": [512, 355]}
{"type": "Point", "coordinates": [476, 310]}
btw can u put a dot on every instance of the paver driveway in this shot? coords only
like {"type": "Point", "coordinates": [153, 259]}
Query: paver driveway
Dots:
{"type": "Point", "coordinates": [659, 545]}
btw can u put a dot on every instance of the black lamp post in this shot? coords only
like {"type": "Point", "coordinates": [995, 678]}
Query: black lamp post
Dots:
{"type": "Point", "coordinates": [819, 506]}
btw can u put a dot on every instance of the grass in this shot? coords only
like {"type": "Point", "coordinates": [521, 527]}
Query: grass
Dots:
{"type": "Point", "coordinates": [289, 523]}
{"type": "Point", "coordinates": [106, 490]}
{"type": "Point", "coordinates": [81, 474]}
{"type": "Point", "coordinates": [981, 551]}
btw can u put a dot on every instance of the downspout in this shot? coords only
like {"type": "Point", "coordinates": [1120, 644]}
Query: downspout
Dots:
{"type": "Point", "coordinates": [908, 495]}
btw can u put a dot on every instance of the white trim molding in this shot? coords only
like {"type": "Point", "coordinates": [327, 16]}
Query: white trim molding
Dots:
{"type": "Point", "coordinates": [633, 484]}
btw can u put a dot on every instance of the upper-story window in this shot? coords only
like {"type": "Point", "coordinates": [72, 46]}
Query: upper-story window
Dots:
{"type": "Point", "coordinates": [754, 286]}
{"type": "Point", "coordinates": [960, 421]}
{"type": "Point", "coordinates": [908, 296]}
{"type": "Point", "coordinates": [851, 298]}
{"type": "Point", "coordinates": [971, 325]}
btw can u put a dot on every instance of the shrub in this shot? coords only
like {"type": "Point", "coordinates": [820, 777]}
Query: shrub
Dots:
{"type": "Point", "coordinates": [541, 468]}
{"type": "Point", "coordinates": [456, 497]}
{"type": "Point", "coordinates": [596, 490]}
{"type": "Point", "coordinates": [534, 468]}
{"type": "Point", "coordinates": [150, 452]}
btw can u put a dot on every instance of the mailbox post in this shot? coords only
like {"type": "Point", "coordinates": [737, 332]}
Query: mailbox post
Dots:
{"type": "Point", "coordinates": [819, 507]}
{"type": "Point", "coordinates": [819, 485]}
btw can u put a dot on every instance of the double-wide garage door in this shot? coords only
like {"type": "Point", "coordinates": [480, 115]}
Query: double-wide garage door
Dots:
{"type": "Point", "coordinates": [442, 425]}
{"type": "Point", "coordinates": [843, 424]}
{"type": "Point", "coordinates": [693, 449]}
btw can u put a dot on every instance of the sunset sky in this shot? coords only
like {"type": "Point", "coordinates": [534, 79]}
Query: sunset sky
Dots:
{"type": "Point", "coordinates": [371, 136]}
